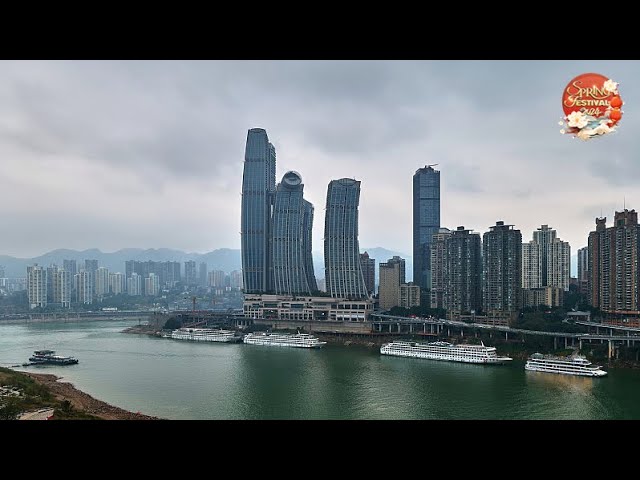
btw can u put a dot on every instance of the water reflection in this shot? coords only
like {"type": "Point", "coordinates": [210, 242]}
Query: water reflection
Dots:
{"type": "Point", "coordinates": [571, 383]}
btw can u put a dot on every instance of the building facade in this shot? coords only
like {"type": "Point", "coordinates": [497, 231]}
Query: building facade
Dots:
{"type": "Point", "coordinates": [409, 295]}
{"type": "Point", "coordinates": [613, 271]}
{"type": "Point", "coordinates": [426, 222]}
{"type": "Point", "coordinates": [546, 261]}
{"type": "Point", "coordinates": [502, 271]}
{"type": "Point", "coordinates": [202, 274]}
{"type": "Point", "coordinates": [258, 187]}
{"type": "Point", "coordinates": [134, 284]}
{"type": "Point", "coordinates": [292, 269]}
{"type": "Point", "coordinates": [152, 285]}
{"type": "Point", "coordinates": [547, 296]}
{"type": "Point", "coordinates": [190, 273]}
{"type": "Point", "coordinates": [216, 278]}
{"type": "Point", "coordinates": [37, 286]}
{"type": "Point", "coordinates": [275, 307]}
{"type": "Point", "coordinates": [369, 272]}
{"type": "Point", "coordinates": [235, 279]}
{"type": "Point", "coordinates": [343, 271]}
{"type": "Point", "coordinates": [462, 273]}
{"type": "Point", "coordinates": [438, 252]}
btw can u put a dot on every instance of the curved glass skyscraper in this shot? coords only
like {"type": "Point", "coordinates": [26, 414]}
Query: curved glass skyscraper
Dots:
{"type": "Point", "coordinates": [258, 187]}
{"type": "Point", "coordinates": [292, 224]}
{"type": "Point", "coordinates": [343, 271]}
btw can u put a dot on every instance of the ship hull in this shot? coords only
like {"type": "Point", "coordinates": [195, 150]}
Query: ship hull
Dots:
{"type": "Point", "coordinates": [536, 368]}
{"type": "Point", "coordinates": [447, 358]}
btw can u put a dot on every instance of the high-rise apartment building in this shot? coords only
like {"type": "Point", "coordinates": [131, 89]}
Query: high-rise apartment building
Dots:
{"type": "Point", "coordinates": [117, 283]}
{"type": "Point", "coordinates": [62, 288]}
{"type": "Point", "coordinates": [152, 285]}
{"type": "Point", "coordinates": [426, 222]}
{"type": "Point", "coordinates": [389, 291]}
{"type": "Point", "coordinates": [134, 284]}
{"type": "Point", "coordinates": [258, 188]}
{"type": "Point", "coordinates": [292, 261]}
{"type": "Point", "coordinates": [37, 286]}
{"type": "Point", "coordinates": [84, 281]}
{"type": "Point", "coordinates": [51, 270]}
{"type": "Point", "coordinates": [216, 278]}
{"type": "Point", "coordinates": [102, 282]}
{"type": "Point", "coordinates": [343, 271]}
{"type": "Point", "coordinates": [613, 271]}
{"type": "Point", "coordinates": [190, 276]}
{"type": "Point", "coordinates": [438, 251]}
{"type": "Point", "coordinates": [583, 270]}
{"type": "Point", "coordinates": [202, 274]}
{"type": "Point", "coordinates": [369, 272]}
{"type": "Point", "coordinates": [235, 279]}
{"type": "Point", "coordinates": [502, 271]}
{"type": "Point", "coordinates": [462, 273]}
{"type": "Point", "coordinates": [546, 260]}
{"type": "Point", "coordinates": [409, 295]}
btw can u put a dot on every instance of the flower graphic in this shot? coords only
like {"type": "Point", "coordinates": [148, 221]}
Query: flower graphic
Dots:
{"type": "Point", "coordinates": [577, 119]}
{"type": "Point", "coordinates": [610, 86]}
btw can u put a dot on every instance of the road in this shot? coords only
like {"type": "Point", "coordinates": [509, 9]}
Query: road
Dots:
{"type": "Point", "coordinates": [42, 414]}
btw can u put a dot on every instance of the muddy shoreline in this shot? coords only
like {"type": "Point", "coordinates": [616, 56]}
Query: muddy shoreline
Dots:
{"type": "Point", "coordinates": [83, 401]}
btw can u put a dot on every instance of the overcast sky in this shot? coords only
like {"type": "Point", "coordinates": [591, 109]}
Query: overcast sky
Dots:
{"type": "Point", "coordinates": [150, 154]}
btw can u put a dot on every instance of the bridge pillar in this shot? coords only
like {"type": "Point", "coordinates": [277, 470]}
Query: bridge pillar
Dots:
{"type": "Point", "coordinates": [610, 344]}
{"type": "Point", "coordinates": [424, 328]}
{"type": "Point", "coordinates": [555, 343]}
{"type": "Point", "coordinates": [448, 332]}
{"type": "Point", "coordinates": [462, 332]}
{"type": "Point", "coordinates": [411, 328]}
{"type": "Point", "coordinates": [597, 330]}
{"type": "Point", "coordinates": [389, 328]}
{"type": "Point", "coordinates": [565, 342]}
{"type": "Point", "coordinates": [476, 333]}
{"type": "Point", "coordinates": [399, 327]}
{"type": "Point", "coordinates": [580, 341]}
{"type": "Point", "coordinates": [506, 335]}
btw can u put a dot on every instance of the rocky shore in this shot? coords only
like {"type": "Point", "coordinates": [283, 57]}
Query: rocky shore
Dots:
{"type": "Point", "coordinates": [83, 401]}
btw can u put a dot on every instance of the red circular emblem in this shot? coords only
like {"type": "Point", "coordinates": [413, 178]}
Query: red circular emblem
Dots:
{"type": "Point", "coordinates": [591, 104]}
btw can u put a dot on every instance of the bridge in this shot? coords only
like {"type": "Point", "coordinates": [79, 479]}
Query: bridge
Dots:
{"type": "Point", "coordinates": [431, 325]}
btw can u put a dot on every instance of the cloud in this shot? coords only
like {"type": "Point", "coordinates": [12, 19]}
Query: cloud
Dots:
{"type": "Point", "coordinates": [149, 153]}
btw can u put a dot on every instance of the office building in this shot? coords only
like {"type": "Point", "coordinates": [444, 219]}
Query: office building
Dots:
{"type": "Point", "coordinates": [426, 222]}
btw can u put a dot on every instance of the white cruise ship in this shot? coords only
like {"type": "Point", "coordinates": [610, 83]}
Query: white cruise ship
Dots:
{"type": "Point", "coordinates": [444, 351]}
{"type": "Point", "coordinates": [301, 340]}
{"type": "Point", "coordinates": [205, 335]}
{"type": "Point", "coordinates": [572, 365]}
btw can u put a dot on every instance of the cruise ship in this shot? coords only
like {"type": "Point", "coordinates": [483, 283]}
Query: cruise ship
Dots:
{"type": "Point", "coordinates": [205, 335]}
{"type": "Point", "coordinates": [444, 351]}
{"type": "Point", "coordinates": [300, 340]}
{"type": "Point", "coordinates": [572, 365]}
{"type": "Point", "coordinates": [49, 357]}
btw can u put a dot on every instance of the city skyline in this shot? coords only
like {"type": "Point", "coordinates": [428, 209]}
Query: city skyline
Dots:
{"type": "Point", "coordinates": [387, 119]}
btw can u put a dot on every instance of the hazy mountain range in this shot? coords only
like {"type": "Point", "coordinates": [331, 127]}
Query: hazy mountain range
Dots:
{"type": "Point", "coordinates": [226, 259]}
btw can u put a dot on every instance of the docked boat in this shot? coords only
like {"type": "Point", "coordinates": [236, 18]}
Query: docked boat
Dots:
{"type": "Point", "coordinates": [49, 357]}
{"type": "Point", "coordinates": [572, 365]}
{"type": "Point", "coordinates": [444, 351]}
{"type": "Point", "coordinates": [205, 335]}
{"type": "Point", "coordinates": [300, 340]}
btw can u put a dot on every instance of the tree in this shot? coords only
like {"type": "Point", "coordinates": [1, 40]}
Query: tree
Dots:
{"type": "Point", "coordinates": [9, 408]}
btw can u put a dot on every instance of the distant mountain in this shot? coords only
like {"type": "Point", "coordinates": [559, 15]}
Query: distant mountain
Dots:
{"type": "Point", "coordinates": [226, 259]}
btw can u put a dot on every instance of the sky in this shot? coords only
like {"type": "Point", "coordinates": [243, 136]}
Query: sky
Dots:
{"type": "Point", "coordinates": [149, 154]}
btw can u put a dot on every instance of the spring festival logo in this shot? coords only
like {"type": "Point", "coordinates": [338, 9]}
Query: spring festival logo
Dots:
{"type": "Point", "coordinates": [591, 104]}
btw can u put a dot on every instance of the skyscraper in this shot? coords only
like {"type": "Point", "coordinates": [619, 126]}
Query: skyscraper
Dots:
{"type": "Point", "coordinates": [235, 279]}
{"type": "Point", "coordinates": [462, 273]}
{"type": "Point", "coordinates": [292, 266]}
{"type": "Point", "coordinates": [438, 255]}
{"type": "Point", "coordinates": [426, 222]}
{"type": "Point", "coordinates": [369, 272]}
{"type": "Point", "coordinates": [134, 284]}
{"type": "Point", "coordinates": [152, 285]}
{"type": "Point", "coordinates": [70, 266]}
{"type": "Point", "coordinates": [502, 275]}
{"type": "Point", "coordinates": [258, 187]}
{"type": "Point", "coordinates": [546, 260]}
{"type": "Point", "coordinates": [117, 283]}
{"type": "Point", "coordinates": [51, 270]}
{"type": "Point", "coordinates": [37, 286]}
{"type": "Point", "coordinates": [343, 272]}
{"type": "Point", "coordinates": [216, 278]}
{"type": "Point", "coordinates": [583, 270]}
{"type": "Point", "coordinates": [190, 277]}
{"type": "Point", "coordinates": [614, 275]}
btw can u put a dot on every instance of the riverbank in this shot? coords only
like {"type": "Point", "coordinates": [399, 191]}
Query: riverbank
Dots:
{"type": "Point", "coordinates": [84, 402]}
